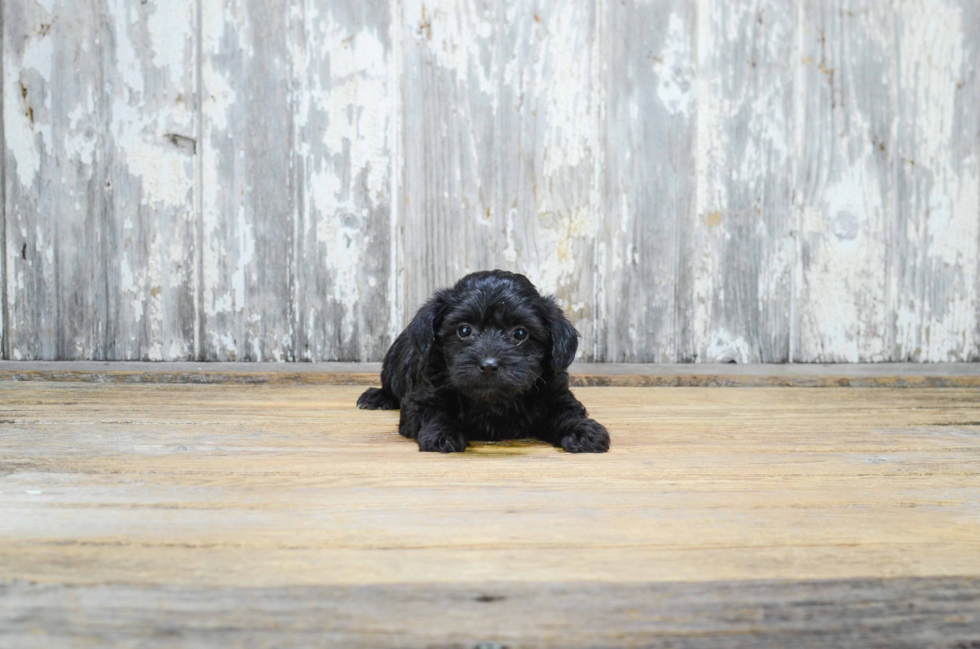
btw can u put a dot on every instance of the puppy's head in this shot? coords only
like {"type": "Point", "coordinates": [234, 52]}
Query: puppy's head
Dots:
{"type": "Point", "coordinates": [496, 335]}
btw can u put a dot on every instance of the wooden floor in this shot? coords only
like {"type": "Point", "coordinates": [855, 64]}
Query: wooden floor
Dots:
{"type": "Point", "coordinates": [157, 515]}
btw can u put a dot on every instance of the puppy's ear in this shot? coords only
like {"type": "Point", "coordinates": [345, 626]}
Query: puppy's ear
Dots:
{"type": "Point", "coordinates": [422, 329]}
{"type": "Point", "coordinates": [561, 334]}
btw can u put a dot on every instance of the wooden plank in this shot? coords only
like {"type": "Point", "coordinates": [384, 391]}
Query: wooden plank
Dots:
{"type": "Point", "coordinates": [4, 295]}
{"type": "Point", "coordinates": [907, 375]}
{"type": "Point", "coordinates": [740, 242]}
{"type": "Point", "coordinates": [937, 182]}
{"type": "Point", "coordinates": [501, 137]}
{"type": "Point", "coordinates": [200, 513]}
{"type": "Point", "coordinates": [844, 181]}
{"type": "Point", "coordinates": [149, 129]}
{"type": "Point", "coordinates": [55, 196]}
{"type": "Point", "coordinates": [971, 86]}
{"type": "Point", "coordinates": [888, 182]}
{"type": "Point", "coordinates": [100, 143]}
{"type": "Point", "coordinates": [296, 181]}
{"type": "Point", "coordinates": [858, 613]}
{"type": "Point", "coordinates": [248, 182]}
{"type": "Point", "coordinates": [341, 54]}
{"type": "Point", "coordinates": [268, 485]}
{"type": "Point", "coordinates": [643, 305]}
{"type": "Point", "coordinates": [913, 220]}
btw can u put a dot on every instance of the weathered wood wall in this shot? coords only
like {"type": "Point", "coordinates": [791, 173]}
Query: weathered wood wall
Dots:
{"type": "Point", "coordinates": [288, 179]}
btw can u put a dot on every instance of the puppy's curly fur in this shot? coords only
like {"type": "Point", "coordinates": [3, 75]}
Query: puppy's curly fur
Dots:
{"type": "Point", "coordinates": [486, 359]}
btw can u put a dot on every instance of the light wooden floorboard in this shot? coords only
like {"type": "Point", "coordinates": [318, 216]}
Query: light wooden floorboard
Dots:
{"type": "Point", "coordinates": [205, 511]}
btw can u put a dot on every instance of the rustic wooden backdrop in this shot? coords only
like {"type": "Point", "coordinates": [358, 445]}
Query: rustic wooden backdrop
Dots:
{"type": "Point", "coordinates": [288, 179]}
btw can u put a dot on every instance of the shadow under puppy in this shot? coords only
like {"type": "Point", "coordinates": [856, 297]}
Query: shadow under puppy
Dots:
{"type": "Point", "coordinates": [486, 360]}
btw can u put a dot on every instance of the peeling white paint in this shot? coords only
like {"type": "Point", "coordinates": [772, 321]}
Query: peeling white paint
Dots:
{"type": "Point", "coordinates": [724, 346]}
{"type": "Point", "coordinates": [130, 287]}
{"type": "Point", "coordinates": [38, 55]}
{"type": "Point", "coordinates": [21, 132]}
{"type": "Point", "coordinates": [341, 235]}
{"type": "Point", "coordinates": [513, 169]}
{"type": "Point", "coordinates": [944, 229]}
{"type": "Point", "coordinates": [711, 195]}
{"type": "Point", "coordinates": [843, 205]}
{"type": "Point", "coordinates": [354, 99]}
{"type": "Point", "coordinates": [566, 71]}
{"type": "Point", "coordinates": [124, 16]}
{"type": "Point", "coordinates": [453, 32]}
{"type": "Point", "coordinates": [166, 175]}
{"type": "Point", "coordinates": [80, 143]}
{"type": "Point", "coordinates": [220, 97]}
{"type": "Point", "coordinates": [225, 343]}
{"type": "Point", "coordinates": [223, 303]}
{"type": "Point", "coordinates": [246, 255]}
{"type": "Point", "coordinates": [167, 26]}
{"type": "Point", "coordinates": [675, 78]}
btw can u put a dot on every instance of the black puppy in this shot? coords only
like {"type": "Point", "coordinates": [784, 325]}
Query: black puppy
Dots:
{"type": "Point", "coordinates": [486, 359]}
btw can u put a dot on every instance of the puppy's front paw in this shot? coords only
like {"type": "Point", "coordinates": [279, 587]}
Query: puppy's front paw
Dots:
{"type": "Point", "coordinates": [377, 399]}
{"type": "Point", "coordinates": [441, 440]}
{"type": "Point", "coordinates": [586, 436]}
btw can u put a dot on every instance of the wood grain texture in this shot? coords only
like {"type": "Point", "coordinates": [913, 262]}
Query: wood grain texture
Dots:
{"type": "Point", "coordinates": [732, 514]}
{"type": "Point", "coordinates": [341, 55]}
{"type": "Point", "coordinates": [740, 233]}
{"type": "Point", "coordinates": [936, 234]}
{"type": "Point", "coordinates": [100, 244]}
{"type": "Point", "coordinates": [295, 180]}
{"type": "Point", "coordinates": [288, 179]}
{"type": "Point", "coordinates": [644, 299]}
{"type": "Point", "coordinates": [861, 613]}
{"type": "Point", "coordinates": [501, 121]}
{"type": "Point", "coordinates": [56, 202]}
{"type": "Point", "coordinates": [149, 229]}
{"type": "Point", "coordinates": [886, 182]}
{"type": "Point", "coordinates": [845, 181]}
{"type": "Point", "coordinates": [4, 296]}
{"type": "Point", "coordinates": [248, 195]}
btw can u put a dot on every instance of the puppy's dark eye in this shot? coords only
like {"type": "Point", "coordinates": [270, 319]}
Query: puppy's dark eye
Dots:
{"type": "Point", "coordinates": [464, 331]}
{"type": "Point", "coordinates": [520, 334]}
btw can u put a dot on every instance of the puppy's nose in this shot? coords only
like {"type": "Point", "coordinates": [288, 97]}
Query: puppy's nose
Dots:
{"type": "Point", "coordinates": [488, 365]}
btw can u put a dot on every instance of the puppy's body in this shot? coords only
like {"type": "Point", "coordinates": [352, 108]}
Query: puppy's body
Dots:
{"type": "Point", "coordinates": [486, 359]}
